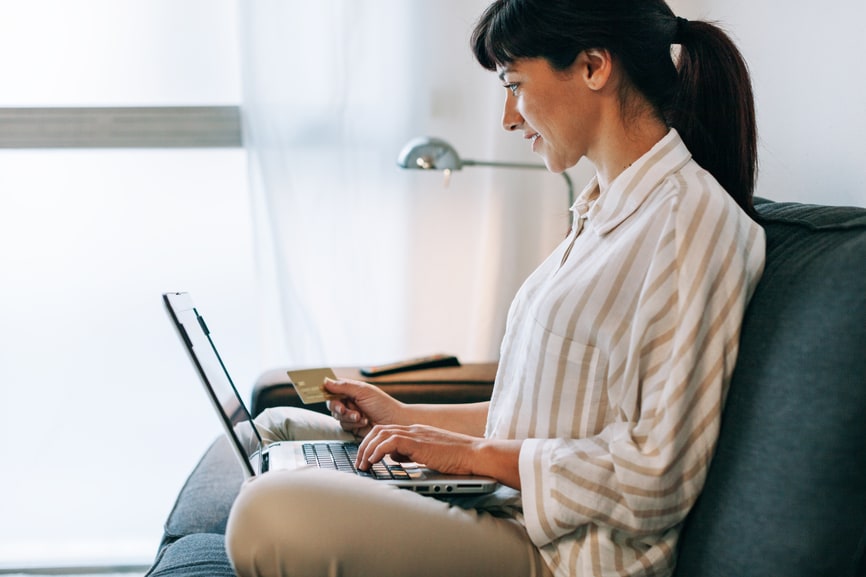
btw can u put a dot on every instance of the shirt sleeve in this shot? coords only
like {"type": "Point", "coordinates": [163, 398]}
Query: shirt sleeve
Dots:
{"type": "Point", "coordinates": [643, 471]}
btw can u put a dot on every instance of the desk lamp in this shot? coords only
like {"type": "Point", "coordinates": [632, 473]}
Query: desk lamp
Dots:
{"type": "Point", "coordinates": [436, 154]}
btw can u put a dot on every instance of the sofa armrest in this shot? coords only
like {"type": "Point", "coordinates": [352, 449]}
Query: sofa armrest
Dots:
{"type": "Point", "coordinates": [467, 383]}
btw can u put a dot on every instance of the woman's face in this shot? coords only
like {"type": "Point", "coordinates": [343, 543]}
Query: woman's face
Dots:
{"type": "Point", "coordinates": [555, 110]}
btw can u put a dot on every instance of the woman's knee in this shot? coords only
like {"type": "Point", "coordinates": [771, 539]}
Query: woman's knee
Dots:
{"type": "Point", "coordinates": [254, 528]}
{"type": "Point", "coordinates": [297, 424]}
{"type": "Point", "coordinates": [277, 522]}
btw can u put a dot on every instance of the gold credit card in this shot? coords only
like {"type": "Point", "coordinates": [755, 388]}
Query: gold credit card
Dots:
{"type": "Point", "coordinates": [309, 383]}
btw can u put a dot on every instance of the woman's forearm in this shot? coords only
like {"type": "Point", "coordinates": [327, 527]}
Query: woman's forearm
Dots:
{"type": "Point", "coordinates": [466, 418]}
{"type": "Point", "coordinates": [499, 459]}
{"type": "Point", "coordinates": [493, 458]}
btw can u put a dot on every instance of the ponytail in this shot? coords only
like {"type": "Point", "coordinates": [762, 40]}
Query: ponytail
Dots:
{"type": "Point", "coordinates": [706, 95]}
{"type": "Point", "coordinates": [713, 108]}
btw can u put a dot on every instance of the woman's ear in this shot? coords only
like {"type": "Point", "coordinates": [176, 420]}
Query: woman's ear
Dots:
{"type": "Point", "coordinates": [595, 65]}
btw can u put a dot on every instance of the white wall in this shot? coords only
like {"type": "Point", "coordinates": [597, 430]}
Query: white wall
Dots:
{"type": "Point", "coordinates": [806, 61]}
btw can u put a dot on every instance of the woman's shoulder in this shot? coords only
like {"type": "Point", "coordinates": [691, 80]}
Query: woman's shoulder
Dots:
{"type": "Point", "coordinates": [692, 192]}
{"type": "Point", "coordinates": [701, 216]}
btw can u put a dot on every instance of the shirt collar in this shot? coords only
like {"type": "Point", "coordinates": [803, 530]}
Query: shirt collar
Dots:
{"type": "Point", "coordinates": [631, 188]}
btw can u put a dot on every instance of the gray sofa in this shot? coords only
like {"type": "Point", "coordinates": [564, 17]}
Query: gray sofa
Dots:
{"type": "Point", "coordinates": [786, 492]}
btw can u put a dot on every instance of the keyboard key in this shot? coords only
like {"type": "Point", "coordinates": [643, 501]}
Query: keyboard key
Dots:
{"type": "Point", "coordinates": [342, 457]}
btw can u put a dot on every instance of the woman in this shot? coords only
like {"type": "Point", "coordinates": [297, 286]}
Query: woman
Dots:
{"type": "Point", "coordinates": [618, 350]}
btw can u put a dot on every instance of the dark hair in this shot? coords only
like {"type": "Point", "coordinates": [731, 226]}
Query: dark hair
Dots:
{"type": "Point", "coordinates": [706, 94]}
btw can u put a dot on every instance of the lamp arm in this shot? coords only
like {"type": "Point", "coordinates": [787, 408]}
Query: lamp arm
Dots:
{"type": "Point", "coordinates": [467, 162]}
{"type": "Point", "coordinates": [570, 188]}
{"type": "Point", "coordinates": [568, 182]}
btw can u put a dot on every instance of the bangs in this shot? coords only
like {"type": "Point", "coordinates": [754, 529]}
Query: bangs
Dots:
{"type": "Point", "coordinates": [509, 30]}
{"type": "Point", "coordinates": [499, 38]}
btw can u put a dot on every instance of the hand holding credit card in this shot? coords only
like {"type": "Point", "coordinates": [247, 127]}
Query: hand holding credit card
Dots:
{"type": "Point", "coordinates": [309, 384]}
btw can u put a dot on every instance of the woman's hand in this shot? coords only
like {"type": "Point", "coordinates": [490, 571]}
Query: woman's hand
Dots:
{"type": "Point", "coordinates": [384, 424]}
{"type": "Point", "coordinates": [444, 451]}
{"type": "Point", "coordinates": [361, 406]}
{"type": "Point", "coordinates": [438, 449]}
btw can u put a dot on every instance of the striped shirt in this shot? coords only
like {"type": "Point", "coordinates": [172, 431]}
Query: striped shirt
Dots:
{"type": "Point", "coordinates": [616, 360]}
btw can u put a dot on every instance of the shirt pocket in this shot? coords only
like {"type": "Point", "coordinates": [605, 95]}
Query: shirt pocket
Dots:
{"type": "Point", "coordinates": [573, 388]}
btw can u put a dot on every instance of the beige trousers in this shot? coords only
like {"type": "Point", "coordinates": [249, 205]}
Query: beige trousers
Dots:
{"type": "Point", "coordinates": [321, 523]}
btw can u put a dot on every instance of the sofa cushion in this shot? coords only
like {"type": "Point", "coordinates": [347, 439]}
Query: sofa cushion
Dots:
{"type": "Point", "coordinates": [204, 502]}
{"type": "Point", "coordinates": [200, 555]}
{"type": "Point", "coordinates": [786, 492]}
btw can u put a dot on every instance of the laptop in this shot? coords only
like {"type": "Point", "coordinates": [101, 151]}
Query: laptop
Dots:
{"type": "Point", "coordinates": [257, 458]}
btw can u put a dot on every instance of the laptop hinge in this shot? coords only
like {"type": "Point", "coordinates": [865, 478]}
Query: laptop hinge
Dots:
{"type": "Point", "coordinates": [265, 460]}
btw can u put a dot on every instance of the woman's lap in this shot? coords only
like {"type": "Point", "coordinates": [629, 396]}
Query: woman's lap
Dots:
{"type": "Point", "coordinates": [311, 522]}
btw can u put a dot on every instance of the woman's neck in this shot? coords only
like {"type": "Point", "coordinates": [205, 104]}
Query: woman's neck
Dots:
{"type": "Point", "coordinates": [624, 142]}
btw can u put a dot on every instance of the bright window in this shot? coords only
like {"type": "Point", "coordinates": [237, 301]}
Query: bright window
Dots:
{"type": "Point", "coordinates": [101, 414]}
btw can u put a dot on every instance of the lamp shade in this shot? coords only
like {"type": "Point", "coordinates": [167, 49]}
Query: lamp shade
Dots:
{"type": "Point", "coordinates": [428, 153]}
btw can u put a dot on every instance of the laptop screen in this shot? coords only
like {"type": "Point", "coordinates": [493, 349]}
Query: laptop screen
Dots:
{"type": "Point", "coordinates": [217, 382]}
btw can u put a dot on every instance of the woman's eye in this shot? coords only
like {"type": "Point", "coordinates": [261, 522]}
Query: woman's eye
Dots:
{"type": "Point", "coordinates": [512, 87]}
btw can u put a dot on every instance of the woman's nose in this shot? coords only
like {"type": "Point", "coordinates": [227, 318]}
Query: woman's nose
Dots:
{"type": "Point", "coordinates": [511, 119]}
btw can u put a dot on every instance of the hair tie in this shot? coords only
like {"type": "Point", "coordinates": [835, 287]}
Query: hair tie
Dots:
{"type": "Point", "coordinates": [681, 30]}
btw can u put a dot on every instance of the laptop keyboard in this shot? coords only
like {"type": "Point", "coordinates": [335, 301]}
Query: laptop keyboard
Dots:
{"type": "Point", "coordinates": [342, 456]}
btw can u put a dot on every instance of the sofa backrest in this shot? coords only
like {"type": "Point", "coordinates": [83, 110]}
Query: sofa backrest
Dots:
{"type": "Point", "coordinates": [786, 492]}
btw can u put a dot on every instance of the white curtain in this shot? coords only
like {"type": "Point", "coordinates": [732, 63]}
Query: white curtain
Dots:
{"type": "Point", "coordinates": [360, 262]}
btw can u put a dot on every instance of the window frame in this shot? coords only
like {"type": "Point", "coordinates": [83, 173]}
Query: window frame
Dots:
{"type": "Point", "coordinates": [121, 127]}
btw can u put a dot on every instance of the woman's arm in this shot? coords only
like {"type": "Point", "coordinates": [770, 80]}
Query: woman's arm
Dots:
{"type": "Point", "coordinates": [360, 406]}
{"type": "Point", "coordinates": [444, 451]}
{"type": "Point", "coordinates": [466, 418]}
{"type": "Point", "coordinates": [448, 438]}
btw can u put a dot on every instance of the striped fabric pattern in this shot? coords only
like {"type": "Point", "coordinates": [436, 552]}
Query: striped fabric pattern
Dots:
{"type": "Point", "coordinates": [616, 360]}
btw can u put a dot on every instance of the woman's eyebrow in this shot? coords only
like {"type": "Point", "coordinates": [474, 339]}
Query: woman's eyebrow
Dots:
{"type": "Point", "coordinates": [503, 72]}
